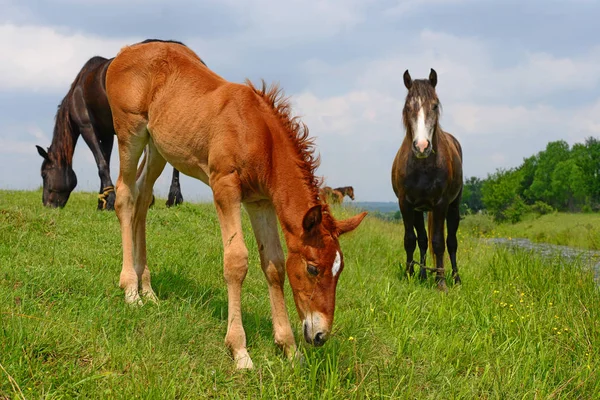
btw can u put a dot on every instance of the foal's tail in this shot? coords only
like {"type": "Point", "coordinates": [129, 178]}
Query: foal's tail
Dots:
{"type": "Point", "coordinates": [430, 236]}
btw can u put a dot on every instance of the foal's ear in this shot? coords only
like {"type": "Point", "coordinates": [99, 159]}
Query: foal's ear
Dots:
{"type": "Point", "coordinates": [42, 152]}
{"type": "Point", "coordinates": [351, 223]}
{"type": "Point", "coordinates": [433, 77]}
{"type": "Point", "coordinates": [407, 80]}
{"type": "Point", "coordinates": [313, 218]}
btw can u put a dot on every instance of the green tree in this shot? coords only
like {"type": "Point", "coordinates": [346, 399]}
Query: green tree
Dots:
{"type": "Point", "coordinates": [472, 198]}
{"type": "Point", "coordinates": [541, 187]}
{"type": "Point", "coordinates": [500, 192]}
{"type": "Point", "coordinates": [568, 185]}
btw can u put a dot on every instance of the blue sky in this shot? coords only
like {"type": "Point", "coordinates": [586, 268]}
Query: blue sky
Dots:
{"type": "Point", "coordinates": [512, 75]}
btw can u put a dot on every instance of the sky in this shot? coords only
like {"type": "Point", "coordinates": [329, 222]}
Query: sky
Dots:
{"type": "Point", "coordinates": [512, 75]}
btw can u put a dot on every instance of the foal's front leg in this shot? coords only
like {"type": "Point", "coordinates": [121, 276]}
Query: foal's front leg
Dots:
{"type": "Point", "coordinates": [227, 197]}
{"type": "Point", "coordinates": [264, 223]}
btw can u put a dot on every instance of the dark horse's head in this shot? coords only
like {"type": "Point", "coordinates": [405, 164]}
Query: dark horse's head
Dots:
{"type": "Point", "coordinates": [59, 180]}
{"type": "Point", "coordinates": [421, 113]}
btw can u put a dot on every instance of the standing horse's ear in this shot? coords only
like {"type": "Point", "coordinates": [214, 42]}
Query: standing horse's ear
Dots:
{"type": "Point", "coordinates": [313, 218]}
{"type": "Point", "coordinates": [407, 80]}
{"type": "Point", "coordinates": [42, 152]}
{"type": "Point", "coordinates": [433, 77]}
{"type": "Point", "coordinates": [351, 223]}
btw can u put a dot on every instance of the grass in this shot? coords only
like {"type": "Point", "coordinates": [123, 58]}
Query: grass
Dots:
{"type": "Point", "coordinates": [574, 230]}
{"type": "Point", "coordinates": [518, 327]}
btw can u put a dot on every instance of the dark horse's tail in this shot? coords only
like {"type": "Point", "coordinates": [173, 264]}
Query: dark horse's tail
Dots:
{"type": "Point", "coordinates": [430, 235]}
{"type": "Point", "coordinates": [65, 130]}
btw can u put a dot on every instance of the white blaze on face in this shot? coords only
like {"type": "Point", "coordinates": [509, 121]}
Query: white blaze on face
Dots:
{"type": "Point", "coordinates": [421, 133]}
{"type": "Point", "coordinates": [336, 264]}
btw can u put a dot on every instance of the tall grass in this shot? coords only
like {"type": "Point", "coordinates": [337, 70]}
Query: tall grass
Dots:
{"type": "Point", "coordinates": [518, 327]}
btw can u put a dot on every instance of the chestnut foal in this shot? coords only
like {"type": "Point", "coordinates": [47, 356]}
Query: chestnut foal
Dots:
{"type": "Point", "coordinates": [243, 142]}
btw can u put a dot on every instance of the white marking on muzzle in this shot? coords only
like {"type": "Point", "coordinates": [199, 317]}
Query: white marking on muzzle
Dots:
{"type": "Point", "coordinates": [336, 264]}
{"type": "Point", "coordinates": [313, 324]}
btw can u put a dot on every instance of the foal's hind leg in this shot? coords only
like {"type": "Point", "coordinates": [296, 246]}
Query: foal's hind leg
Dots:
{"type": "Point", "coordinates": [228, 199]}
{"type": "Point", "coordinates": [152, 169]}
{"type": "Point", "coordinates": [452, 220]}
{"type": "Point", "coordinates": [132, 137]}
{"type": "Point", "coordinates": [422, 240]}
{"type": "Point", "coordinates": [264, 223]}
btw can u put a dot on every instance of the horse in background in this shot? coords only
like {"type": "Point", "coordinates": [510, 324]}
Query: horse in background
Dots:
{"type": "Point", "coordinates": [85, 111]}
{"type": "Point", "coordinates": [336, 196]}
{"type": "Point", "coordinates": [345, 191]}
{"type": "Point", "coordinates": [244, 143]}
{"type": "Point", "coordinates": [427, 176]}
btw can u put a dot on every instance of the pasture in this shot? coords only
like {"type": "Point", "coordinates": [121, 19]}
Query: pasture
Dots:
{"type": "Point", "coordinates": [519, 327]}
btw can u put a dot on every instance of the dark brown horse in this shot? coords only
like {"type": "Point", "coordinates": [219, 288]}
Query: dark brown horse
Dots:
{"type": "Point", "coordinates": [427, 176]}
{"type": "Point", "coordinates": [85, 111]}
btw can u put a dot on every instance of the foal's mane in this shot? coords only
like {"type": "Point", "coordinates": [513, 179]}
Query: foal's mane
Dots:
{"type": "Point", "coordinates": [297, 132]}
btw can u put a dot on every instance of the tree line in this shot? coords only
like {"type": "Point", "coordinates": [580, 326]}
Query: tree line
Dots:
{"type": "Point", "coordinates": [558, 178]}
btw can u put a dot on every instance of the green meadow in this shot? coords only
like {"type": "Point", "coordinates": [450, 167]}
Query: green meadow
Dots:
{"type": "Point", "coordinates": [520, 326]}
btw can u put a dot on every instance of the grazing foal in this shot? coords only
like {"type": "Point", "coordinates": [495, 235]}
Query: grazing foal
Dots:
{"type": "Point", "coordinates": [244, 143]}
{"type": "Point", "coordinates": [427, 176]}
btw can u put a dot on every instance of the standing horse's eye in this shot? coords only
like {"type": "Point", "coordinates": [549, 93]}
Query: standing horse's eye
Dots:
{"type": "Point", "coordinates": [312, 270]}
{"type": "Point", "coordinates": [435, 107]}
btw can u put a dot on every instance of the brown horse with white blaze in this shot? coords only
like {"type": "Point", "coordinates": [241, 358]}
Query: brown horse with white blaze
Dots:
{"type": "Point", "coordinates": [244, 143]}
{"type": "Point", "coordinates": [427, 176]}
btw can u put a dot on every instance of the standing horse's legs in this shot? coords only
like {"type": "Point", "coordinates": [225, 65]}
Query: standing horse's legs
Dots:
{"type": "Point", "coordinates": [131, 146]}
{"type": "Point", "coordinates": [175, 196]}
{"type": "Point", "coordinates": [228, 197]}
{"type": "Point", "coordinates": [106, 198]}
{"type": "Point", "coordinates": [264, 223]}
{"type": "Point", "coordinates": [422, 240]}
{"type": "Point", "coordinates": [452, 220]}
{"type": "Point", "coordinates": [437, 243]}
{"type": "Point", "coordinates": [150, 172]}
{"type": "Point", "coordinates": [410, 239]}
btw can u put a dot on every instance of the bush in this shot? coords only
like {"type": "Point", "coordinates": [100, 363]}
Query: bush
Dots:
{"type": "Point", "coordinates": [514, 213]}
{"type": "Point", "coordinates": [542, 208]}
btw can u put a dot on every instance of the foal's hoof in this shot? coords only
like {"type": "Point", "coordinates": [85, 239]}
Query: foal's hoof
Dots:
{"type": "Point", "coordinates": [133, 298]}
{"type": "Point", "coordinates": [243, 361]}
{"type": "Point", "coordinates": [150, 296]}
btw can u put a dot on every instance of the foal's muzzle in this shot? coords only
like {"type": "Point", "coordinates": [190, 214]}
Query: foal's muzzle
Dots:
{"type": "Point", "coordinates": [315, 330]}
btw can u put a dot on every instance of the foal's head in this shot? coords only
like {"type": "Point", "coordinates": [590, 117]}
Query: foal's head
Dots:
{"type": "Point", "coordinates": [314, 266]}
{"type": "Point", "coordinates": [59, 180]}
{"type": "Point", "coordinates": [421, 113]}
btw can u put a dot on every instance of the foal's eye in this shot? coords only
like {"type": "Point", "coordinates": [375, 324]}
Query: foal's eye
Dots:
{"type": "Point", "coordinates": [312, 270]}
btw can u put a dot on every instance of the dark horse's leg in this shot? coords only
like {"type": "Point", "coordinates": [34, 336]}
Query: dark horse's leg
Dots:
{"type": "Point", "coordinates": [437, 243]}
{"type": "Point", "coordinates": [101, 151]}
{"type": "Point", "coordinates": [175, 196]}
{"type": "Point", "coordinates": [452, 220]}
{"type": "Point", "coordinates": [422, 239]}
{"type": "Point", "coordinates": [410, 239]}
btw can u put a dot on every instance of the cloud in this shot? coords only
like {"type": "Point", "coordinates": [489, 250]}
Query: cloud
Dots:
{"type": "Point", "coordinates": [40, 58]}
